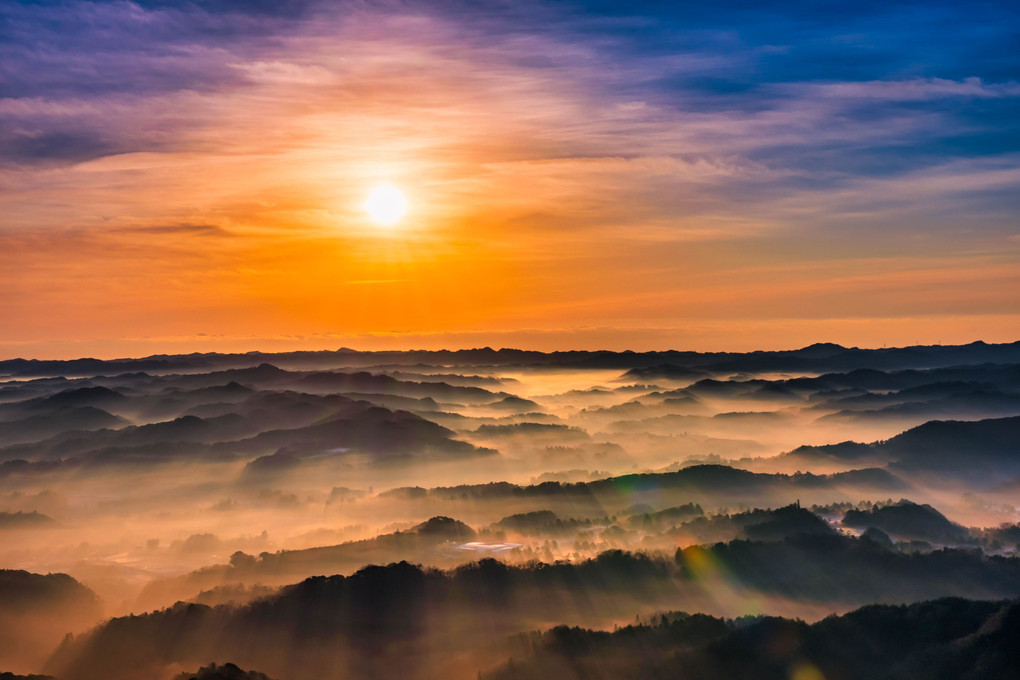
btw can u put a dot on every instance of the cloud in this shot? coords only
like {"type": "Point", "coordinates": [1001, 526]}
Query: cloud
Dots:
{"type": "Point", "coordinates": [180, 229]}
{"type": "Point", "coordinates": [29, 146]}
{"type": "Point", "coordinates": [530, 139]}
{"type": "Point", "coordinates": [917, 89]}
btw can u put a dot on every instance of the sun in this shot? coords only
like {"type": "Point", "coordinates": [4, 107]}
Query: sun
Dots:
{"type": "Point", "coordinates": [385, 205]}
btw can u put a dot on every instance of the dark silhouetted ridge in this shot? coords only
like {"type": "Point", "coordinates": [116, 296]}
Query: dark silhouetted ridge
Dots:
{"type": "Point", "coordinates": [227, 671]}
{"type": "Point", "coordinates": [908, 520]}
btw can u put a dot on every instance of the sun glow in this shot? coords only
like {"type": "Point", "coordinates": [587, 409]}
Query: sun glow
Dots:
{"type": "Point", "coordinates": [385, 205]}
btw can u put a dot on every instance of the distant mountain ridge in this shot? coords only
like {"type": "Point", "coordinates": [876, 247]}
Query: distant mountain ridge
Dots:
{"type": "Point", "coordinates": [983, 448]}
{"type": "Point", "coordinates": [819, 357]}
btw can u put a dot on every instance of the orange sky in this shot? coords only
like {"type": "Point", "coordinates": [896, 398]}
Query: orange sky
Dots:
{"type": "Point", "coordinates": [555, 201]}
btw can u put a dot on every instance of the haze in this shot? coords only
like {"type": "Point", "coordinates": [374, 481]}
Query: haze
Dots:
{"type": "Point", "coordinates": [220, 479]}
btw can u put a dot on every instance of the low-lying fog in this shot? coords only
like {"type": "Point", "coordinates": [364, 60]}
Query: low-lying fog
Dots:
{"type": "Point", "coordinates": [222, 480]}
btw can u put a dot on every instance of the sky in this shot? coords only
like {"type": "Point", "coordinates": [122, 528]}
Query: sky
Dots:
{"type": "Point", "coordinates": [732, 175]}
